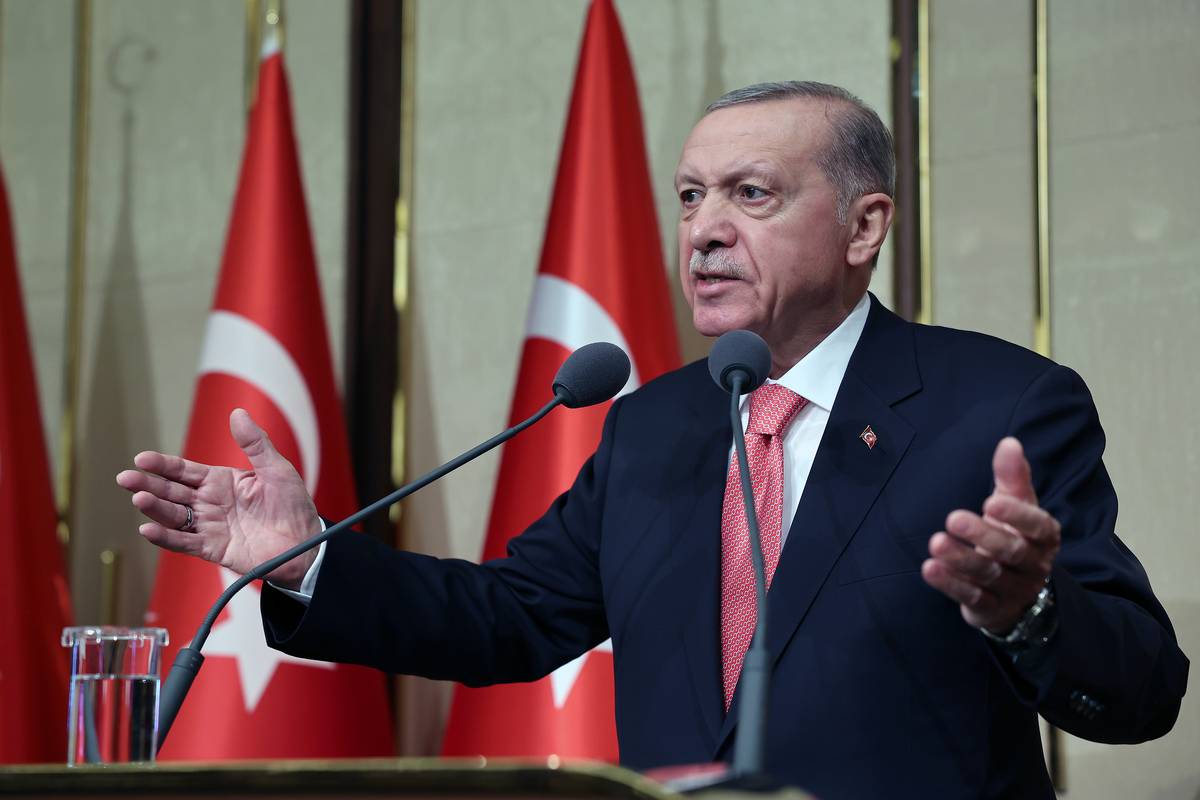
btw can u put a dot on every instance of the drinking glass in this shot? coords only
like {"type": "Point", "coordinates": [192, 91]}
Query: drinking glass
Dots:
{"type": "Point", "coordinates": [113, 712]}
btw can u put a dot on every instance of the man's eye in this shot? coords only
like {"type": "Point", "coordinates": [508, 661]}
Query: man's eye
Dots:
{"type": "Point", "coordinates": [689, 197]}
{"type": "Point", "coordinates": [751, 192]}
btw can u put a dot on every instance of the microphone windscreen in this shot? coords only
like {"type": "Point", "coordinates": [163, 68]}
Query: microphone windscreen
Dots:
{"type": "Point", "coordinates": [592, 374]}
{"type": "Point", "coordinates": [740, 350]}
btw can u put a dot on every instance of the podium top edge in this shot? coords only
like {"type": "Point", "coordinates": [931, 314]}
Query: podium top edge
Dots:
{"type": "Point", "coordinates": [468, 777]}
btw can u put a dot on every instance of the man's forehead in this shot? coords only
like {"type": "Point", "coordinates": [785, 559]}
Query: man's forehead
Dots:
{"type": "Point", "coordinates": [769, 133]}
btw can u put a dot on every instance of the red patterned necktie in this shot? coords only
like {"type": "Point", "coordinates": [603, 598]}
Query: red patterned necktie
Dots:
{"type": "Point", "coordinates": [772, 407]}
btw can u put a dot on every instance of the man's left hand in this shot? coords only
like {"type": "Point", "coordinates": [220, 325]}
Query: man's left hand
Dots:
{"type": "Point", "coordinates": [994, 565]}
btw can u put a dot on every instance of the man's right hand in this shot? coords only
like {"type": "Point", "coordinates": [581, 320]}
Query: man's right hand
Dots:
{"type": "Point", "coordinates": [240, 518]}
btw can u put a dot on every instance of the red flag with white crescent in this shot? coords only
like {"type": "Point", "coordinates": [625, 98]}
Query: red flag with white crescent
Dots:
{"type": "Point", "coordinates": [601, 278]}
{"type": "Point", "coordinates": [266, 350]}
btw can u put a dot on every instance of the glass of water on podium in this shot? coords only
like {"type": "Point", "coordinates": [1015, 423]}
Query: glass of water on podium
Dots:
{"type": "Point", "coordinates": [113, 711]}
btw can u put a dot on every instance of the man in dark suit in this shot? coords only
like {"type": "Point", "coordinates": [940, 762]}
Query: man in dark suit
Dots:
{"type": "Point", "coordinates": [911, 648]}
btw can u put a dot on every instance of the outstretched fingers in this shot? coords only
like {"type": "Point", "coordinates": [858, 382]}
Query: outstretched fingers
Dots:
{"type": "Point", "coordinates": [967, 561]}
{"type": "Point", "coordinates": [135, 481]}
{"type": "Point", "coordinates": [1032, 522]}
{"type": "Point", "coordinates": [957, 586]}
{"type": "Point", "coordinates": [164, 512]}
{"type": "Point", "coordinates": [174, 540]}
{"type": "Point", "coordinates": [175, 468]}
{"type": "Point", "coordinates": [993, 539]}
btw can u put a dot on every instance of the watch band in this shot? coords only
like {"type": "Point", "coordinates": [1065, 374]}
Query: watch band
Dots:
{"type": "Point", "coordinates": [1035, 627]}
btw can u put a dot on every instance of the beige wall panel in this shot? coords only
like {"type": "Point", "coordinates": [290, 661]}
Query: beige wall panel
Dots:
{"type": "Point", "coordinates": [1125, 122]}
{"type": "Point", "coordinates": [167, 131]}
{"type": "Point", "coordinates": [1120, 68]}
{"type": "Point", "coordinates": [983, 262]}
{"type": "Point", "coordinates": [162, 155]}
{"type": "Point", "coordinates": [317, 52]}
{"type": "Point", "coordinates": [492, 85]}
{"type": "Point", "coordinates": [35, 136]}
{"type": "Point", "coordinates": [982, 167]}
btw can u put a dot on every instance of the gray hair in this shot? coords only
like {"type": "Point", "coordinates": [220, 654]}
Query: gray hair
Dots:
{"type": "Point", "coordinates": [859, 159]}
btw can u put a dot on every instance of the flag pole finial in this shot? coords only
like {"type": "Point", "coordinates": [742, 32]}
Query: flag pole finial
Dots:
{"type": "Point", "coordinates": [272, 41]}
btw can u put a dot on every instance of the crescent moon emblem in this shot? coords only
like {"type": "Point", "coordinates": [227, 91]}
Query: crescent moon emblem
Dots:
{"type": "Point", "coordinates": [563, 313]}
{"type": "Point", "coordinates": [237, 346]}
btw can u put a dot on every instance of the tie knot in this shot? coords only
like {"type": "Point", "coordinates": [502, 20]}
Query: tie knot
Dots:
{"type": "Point", "coordinates": [772, 407]}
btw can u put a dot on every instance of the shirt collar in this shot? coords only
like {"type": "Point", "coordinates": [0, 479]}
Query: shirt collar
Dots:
{"type": "Point", "coordinates": [818, 376]}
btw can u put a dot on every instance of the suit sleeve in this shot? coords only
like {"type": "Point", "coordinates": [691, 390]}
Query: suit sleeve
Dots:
{"type": "Point", "coordinates": [506, 620]}
{"type": "Point", "coordinates": [1114, 671]}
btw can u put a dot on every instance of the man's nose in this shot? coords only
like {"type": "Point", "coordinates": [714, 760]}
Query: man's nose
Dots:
{"type": "Point", "coordinates": [711, 226]}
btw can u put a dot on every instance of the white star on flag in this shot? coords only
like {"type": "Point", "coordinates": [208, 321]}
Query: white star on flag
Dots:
{"type": "Point", "coordinates": [240, 636]}
{"type": "Point", "coordinates": [562, 680]}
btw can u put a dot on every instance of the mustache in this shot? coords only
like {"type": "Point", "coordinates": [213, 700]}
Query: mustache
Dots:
{"type": "Point", "coordinates": [714, 264]}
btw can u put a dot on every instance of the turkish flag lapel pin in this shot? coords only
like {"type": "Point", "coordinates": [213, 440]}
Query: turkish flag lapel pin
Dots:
{"type": "Point", "coordinates": [869, 438]}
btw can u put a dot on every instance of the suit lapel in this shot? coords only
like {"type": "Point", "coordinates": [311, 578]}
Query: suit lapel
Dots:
{"type": "Point", "coordinates": [701, 515]}
{"type": "Point", "coordinates": [846, 478]}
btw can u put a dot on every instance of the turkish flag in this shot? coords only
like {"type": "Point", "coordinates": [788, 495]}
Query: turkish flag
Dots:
{"type": "Point", "coordinates": [266, 350]}
{"type": "Point", "coordinates": [601, 277]}
{"type": "Point", "coordinates": [34, 602]}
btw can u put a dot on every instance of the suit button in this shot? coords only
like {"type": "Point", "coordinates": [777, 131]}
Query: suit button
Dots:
{"type": "Point", "coordinates": [1085, 706]}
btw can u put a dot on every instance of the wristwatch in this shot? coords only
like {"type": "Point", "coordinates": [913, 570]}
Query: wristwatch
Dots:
{"type": "Point", "coordinates": [1034, 629]}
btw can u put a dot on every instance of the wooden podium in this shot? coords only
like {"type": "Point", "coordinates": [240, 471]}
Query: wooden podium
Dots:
{"type": "Point", "coordinates": [416, 779]}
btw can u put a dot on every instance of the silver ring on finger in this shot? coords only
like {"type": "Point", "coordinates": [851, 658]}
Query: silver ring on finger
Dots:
{"type": "Point", "coordinates": [189, 525]}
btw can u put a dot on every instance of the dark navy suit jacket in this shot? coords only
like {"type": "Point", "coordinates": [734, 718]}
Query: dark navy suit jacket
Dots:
{"type": "Point", "coordinates": [879, 687]}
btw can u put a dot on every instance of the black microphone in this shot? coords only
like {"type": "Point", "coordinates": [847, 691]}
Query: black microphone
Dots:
{"type": "Point", "coordinates": [592, 374]}
{"type": "Point", "coordinates": [741, 352]}
{"type": "Point", "coordinates": [739, 362]}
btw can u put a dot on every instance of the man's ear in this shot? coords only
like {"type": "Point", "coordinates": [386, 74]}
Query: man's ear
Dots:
{"type": "Point", "coordinates": [869, 219]}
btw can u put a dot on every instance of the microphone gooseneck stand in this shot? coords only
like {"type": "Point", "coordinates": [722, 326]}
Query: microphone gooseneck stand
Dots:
{"type": "Point", "coordinates": [756, 666]}
{"type": "Point", "coordinates": [740, 362]}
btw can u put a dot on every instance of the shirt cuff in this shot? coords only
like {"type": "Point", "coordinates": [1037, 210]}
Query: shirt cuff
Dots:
{"type": "Point", "coordinates": [309, 583]}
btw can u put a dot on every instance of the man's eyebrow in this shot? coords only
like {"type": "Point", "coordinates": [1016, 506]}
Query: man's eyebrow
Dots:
{"type": "Point", "coordinates": [757, 168]}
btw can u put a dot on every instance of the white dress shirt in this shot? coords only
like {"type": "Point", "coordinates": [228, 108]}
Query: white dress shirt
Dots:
{"type": "Point", "coordinates": [816, 377]}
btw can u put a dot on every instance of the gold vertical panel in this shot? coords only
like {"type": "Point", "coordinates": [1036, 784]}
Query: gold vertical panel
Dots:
{"type": "Point", "coordinates": [402, 262]}
{"type": "Point", "coordinates": [110, 586]}
{"type": "Point", "coordinates": [403, 251]}
{"type": "Point", "coordinates": [275, 24]}
{"type": "Point", "coordinates": [250, 57]}
{"type": "Point", "coordinates": [1055, 756]}
{"type": "Point", "coordinates": [1, 37]}
{"type": "Point", "coordinates": [1041, 105]}
{"type": "Point", "coordinates": [77, 240]}
{"type": "Point", "coordinates": [260, 23]}
{"type": "Point", "coordinates": [925, 236]}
